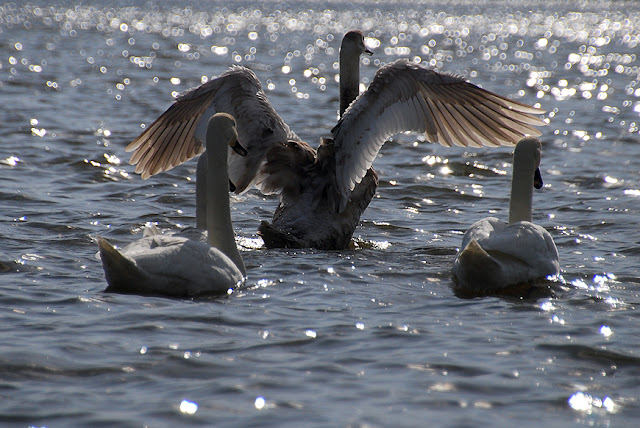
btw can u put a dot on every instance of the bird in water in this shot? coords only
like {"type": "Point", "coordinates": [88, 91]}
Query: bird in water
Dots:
{"type": "Point", "coordinates": [496, 255]}
{"type": "Point", "coordinates": [173, 265]}
{"type": "Point", "coordinates": [324, 191]}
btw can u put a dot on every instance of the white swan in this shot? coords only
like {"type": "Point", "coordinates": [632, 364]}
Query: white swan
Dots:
{"type": "Point", "coordinates": [323, 193]}
{"type": "Point", "coordinates": [496, 255]}
{"type": "Point", "coordinates": [171, 265]}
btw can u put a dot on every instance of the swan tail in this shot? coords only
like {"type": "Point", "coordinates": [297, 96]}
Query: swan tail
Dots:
{"type": "Point", "coordinates": [119, 271]}
{"type": "Point", "coordinates": [150, 229]}
{"type": "Point", "coordinates": [275, 238]}
{"type": "Point", "coordinates": [475, 268]}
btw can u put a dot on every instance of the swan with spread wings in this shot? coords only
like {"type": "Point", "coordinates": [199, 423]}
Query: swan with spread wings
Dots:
{"type": "Point", "coordinates": [324, 191]}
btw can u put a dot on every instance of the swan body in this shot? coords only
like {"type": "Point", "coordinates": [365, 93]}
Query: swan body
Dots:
{"type": "Point", "coordinates": [496, 255]}
{"type": "Point", "coordinates": [168, 265]}
{"type": "Point", "coordinates": [324, 191]}
{"type": "Point", "coordinates": [174, 265]}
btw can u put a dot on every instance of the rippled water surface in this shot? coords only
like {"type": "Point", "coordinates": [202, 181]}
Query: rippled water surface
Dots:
{"type": "Point", "coordinates": [366, 337]}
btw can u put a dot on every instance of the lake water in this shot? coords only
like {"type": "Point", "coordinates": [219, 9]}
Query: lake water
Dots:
{"type": "Point", "coordinates": [362, 338]}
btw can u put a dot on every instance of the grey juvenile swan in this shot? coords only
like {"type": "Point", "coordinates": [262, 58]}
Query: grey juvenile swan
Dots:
{"type": "Point", "coordinates": [496, 255]}
{"type": "Point", "coordinates": [323, 192]}
{"type": "Point", "coordinates": [171, 265]}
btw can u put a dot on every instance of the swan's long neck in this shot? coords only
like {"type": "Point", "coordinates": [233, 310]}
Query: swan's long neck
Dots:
{"type": "Point", "coordinates": [201, 192]}
{"type": "Point", "coordinates": [219, 226]}
{"type": "Point", "coordinates": [349, 75]}
{"type": "Point", "coordinates": [520, 206]}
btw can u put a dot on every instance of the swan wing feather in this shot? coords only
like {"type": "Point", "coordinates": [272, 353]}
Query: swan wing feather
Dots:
{"type": "Point", "coordinates": [450, 111]}
{"type": "Point", "coordinates": [285, 168]}
{"type": "Point", "coordinates": [177, 135]}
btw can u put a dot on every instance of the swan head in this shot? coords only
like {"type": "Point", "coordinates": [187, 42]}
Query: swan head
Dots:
{"type": "Point", "coordinates": [224, 126]}
{"type": "Point", "coordinates": [531, 148]}
{"type": "Point", "coordinates": [353, 41]}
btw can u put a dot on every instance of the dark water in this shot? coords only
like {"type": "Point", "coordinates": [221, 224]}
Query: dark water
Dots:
{"type": "Point", "coordinates": [369, 337]}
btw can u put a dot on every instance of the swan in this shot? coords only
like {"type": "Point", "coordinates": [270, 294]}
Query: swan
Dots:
{"type": "Point", "coordinates": [171, 265]}
{"type": "Point", "coordinates": [324, 191]}
{"type": "Point", "coordinates": [496, 255]}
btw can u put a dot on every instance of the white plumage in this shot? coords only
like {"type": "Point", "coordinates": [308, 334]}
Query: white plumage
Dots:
{"type": "Point", "coordinates": [173, 265]}
{"type": "Point", "coordinates": [496, 255]}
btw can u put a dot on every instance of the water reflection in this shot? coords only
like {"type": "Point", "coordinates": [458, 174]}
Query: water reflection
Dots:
{"type": "Point", "coordinates": [111, 67]}
{"type": "Point", "coordinates": [594, 46]}
{"type": "Point", "coordinates": [588, 403]}
{"type": "Point", "coordinates": [259, 403]}
{"type": "Point", "coordinates": [188, 407]}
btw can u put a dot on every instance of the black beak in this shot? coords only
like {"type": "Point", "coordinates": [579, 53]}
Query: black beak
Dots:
{"type": "Point", "coordinates": [367, 51]}
{"type": "Point", "coordinates": [537, 179]}
{"type": "Point", "coordinates": [232, 187]}
{"type": "Point", "coordinates": [237, 147]}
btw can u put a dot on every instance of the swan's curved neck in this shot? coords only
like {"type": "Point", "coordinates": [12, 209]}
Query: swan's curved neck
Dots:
{"type": "Point", "coordinates": [349, 75]}
{"type": "Point", "coordinates": [520, 206]}
{"type": "Point", "coordinates": [218, 212]}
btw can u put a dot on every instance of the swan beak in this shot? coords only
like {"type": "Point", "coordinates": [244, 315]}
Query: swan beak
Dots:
{"type": "Point", "coordinates": [237, 147]}
{"type": "Point", "coordinates": [537, 179]}
{"type": "Point", "coordinates": [367, 51]}
{"type": "Point", "coordinates": [233, 141]}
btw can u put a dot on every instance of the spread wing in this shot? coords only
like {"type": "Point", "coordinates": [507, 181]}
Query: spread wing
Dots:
{"type": "Point", "coordinates": [404, 96]}
{"type": "Point", "coordinates": [178, 134]}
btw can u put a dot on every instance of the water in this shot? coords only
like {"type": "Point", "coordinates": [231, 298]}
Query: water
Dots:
{"type": "Point", "coordinates": [369, 337]}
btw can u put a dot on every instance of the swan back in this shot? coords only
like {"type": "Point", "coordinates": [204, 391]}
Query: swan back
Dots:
{"type": "Point", "coordinates": [167, 265]}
